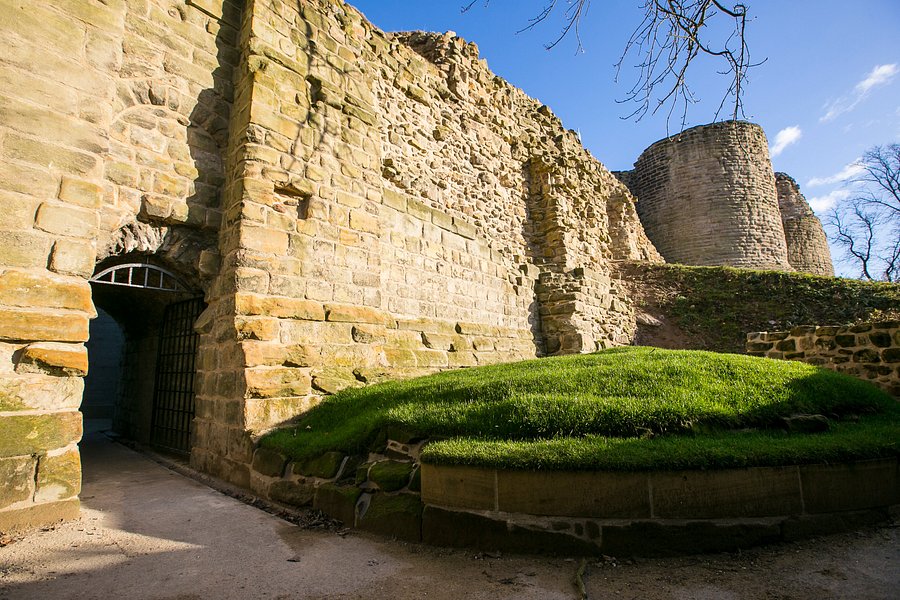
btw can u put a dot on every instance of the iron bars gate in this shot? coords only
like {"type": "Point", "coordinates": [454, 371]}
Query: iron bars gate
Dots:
{"type": "Point", "coordinates": [173, 394]}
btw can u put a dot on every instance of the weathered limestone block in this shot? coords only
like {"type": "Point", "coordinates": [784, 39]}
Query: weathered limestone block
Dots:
{"type": "Point", "coordinates": [54, 359]}
{"type": "Point", "coordinates": [276, 382]}
{"type": "Point", "coordinates": [34, 434]}
{"type": "Point", "coordinates": [40, 289]}
{"type": "Point", "coordinates": [24, 324]}
{"type": "Point", "coordinates": [58, 476]}
{"type": "Point", "coordinates": [39, 391]}
{"type": "Point", "coordinates": [73, 257]}
{"type": "Point", "coordinates": [17, 475]}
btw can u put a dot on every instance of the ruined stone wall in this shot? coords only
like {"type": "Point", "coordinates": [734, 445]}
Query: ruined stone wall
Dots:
{"type": "Point", "coordinates": [807, 244]}
{"type": "Point", "coordinates": [112, 121]}
{"type": "Point", "coordinates": [869, 351]}
{"type": "Point", "coordinates": [707, 196]}
{"type": "Point", "coordinates": [354, 205]}
{"type": "Point", "coordinates": [392, 215]}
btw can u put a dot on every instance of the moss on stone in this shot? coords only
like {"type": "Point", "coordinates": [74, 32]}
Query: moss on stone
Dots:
{"type": "Point", "coordinates": [325, 466]}
{"type": "Point", "coordinates": [35, 434]}
{"type": "Point", "coordinates": [391, 475]}
{"type": "Point", "coordinates": [58, 477]}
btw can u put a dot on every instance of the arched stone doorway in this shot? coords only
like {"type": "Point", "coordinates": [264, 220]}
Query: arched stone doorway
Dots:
{"type": "Point", "coordinates": [144, 347]}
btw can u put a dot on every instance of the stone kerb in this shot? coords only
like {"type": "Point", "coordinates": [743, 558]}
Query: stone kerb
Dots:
{"type": "Point", "coordinates": [389, 492]}
{"type": "Point", "coordinates": [651, 513]}
{"type": "Point", "coordinates": [869, 351]}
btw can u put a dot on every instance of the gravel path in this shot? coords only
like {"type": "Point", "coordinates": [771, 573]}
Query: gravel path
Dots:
{"type": "Point", "coordinates": [150, 533]}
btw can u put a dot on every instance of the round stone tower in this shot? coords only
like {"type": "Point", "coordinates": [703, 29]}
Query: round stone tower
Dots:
{"type": "Point", "coordinates": [807, 245]}
{"type": "Point", "coordinates": [707, 197]}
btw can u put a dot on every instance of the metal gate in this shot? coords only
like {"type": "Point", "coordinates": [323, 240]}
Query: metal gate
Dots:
{"type": "Point", "coordinates": [173, 394]}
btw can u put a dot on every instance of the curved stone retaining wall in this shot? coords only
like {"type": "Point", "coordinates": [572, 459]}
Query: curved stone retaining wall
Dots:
{"type": "Point", "coordinates": [645, 514]}
{"type": "Point", "coordinates": [651, 513]}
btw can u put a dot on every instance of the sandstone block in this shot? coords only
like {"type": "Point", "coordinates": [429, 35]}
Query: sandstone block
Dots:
{"type": "Point", "coordinates": [27, 391]}
{"type": "Point", "coordinates": [391, 475]}
{"type": "Point", "coordinates": [428, 326]}
{"type": "Point", "coordinates": [269, 462]}
{"type": "Point", "coordinates": [36, 434]}
{"type": "Point", "coordinates": [364, 333]}
{"type": "Point", "coordinates": [264, 240]}
{"type": "Point", "coordinates": [394, 199]}
{"type": "Point", "coordinates": [311, 332]}
{"type": "Point", "coordinates": [459, 487]}
{"type": "Point", "coordinates": [257, 328]}
{"type": "Point", "coordinates": [122, 173]}
{"type": "Point", "coordinates": [73, 257]}
{"type": "Point", "coordinates": [40, 289]}
{"type": "Point", "coordinates": [257, 353]}
{"type": "Point", "coordinates": [38, 515]}
{"type": "Point", "coordinates": [58, 476]}
{"type": "Point", "coordinates": [24, 248]}
{"type": "Point", "coordinates": [63, 219]}
{"type": "Point", "coordinates": [853, 486]}
{"type": "Point", "coordinates": [260, 414]}
{"type": "Point", "coordinates": [431, 358]}
{"type": "Point", "coordinates": [48, 155]}
{"type": "Point", "coordinates": [338, 501]}
{"type": "Point", "coordinates": [325, 466]}
{"type": "Point", "coordinates": [475, 329]}
{"type": "Point", "coordinates": [348, 313]}
{"type": "Point", "coordinates": [54, 359]}
{"type": "Point", "coordinates": [398, 515]}
{"type": "Point", "coordinates": [400, 357]}
{"type": "Point", "coordinates": [281, 307]}
{"type": "Point", "coordinates": [17, 474]}
{"type": "Point", "coordinates": [43, 326]}
{"type": "Point", "coordinates": [293, 493]}
{"type": "Point", "coordinates": [755, 492]}
{"type": "Point", "coordinates": [274, 382]}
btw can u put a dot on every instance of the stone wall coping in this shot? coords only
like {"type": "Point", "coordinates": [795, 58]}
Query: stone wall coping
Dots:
{"type": "Point", "coordinates": [754, 492]}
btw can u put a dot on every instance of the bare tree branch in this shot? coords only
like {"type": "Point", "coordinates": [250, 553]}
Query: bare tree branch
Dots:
{"type": "Point", "coordinates": [671, 36]}
{"type": "Point", "coordinates": [867, 226]}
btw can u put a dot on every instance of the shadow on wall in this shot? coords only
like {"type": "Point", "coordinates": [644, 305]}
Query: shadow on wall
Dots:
{"type": "Point", "coordinates": [169, 140]}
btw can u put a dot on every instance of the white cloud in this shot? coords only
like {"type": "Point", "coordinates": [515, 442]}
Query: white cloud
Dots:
{"type": "Point", "coordinates": [881, 74]}
{"type": "Point", "coordinates": [848, 172]}
{"type": "Point", "coordinates": [784, 138]}
{"type": "Point", "coordinates": [878, 76]}
{"type": "Point", "coordinates": [823, 203]}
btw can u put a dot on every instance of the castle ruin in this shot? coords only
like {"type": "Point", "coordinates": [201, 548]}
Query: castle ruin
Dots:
{"type": "Point", "coordinates": [274, 200]}
{"type": "Point", "coordinates": [709, 196]}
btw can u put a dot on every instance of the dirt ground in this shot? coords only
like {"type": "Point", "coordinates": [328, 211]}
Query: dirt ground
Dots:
{"type": "Point", "coordinates": [149, 532]}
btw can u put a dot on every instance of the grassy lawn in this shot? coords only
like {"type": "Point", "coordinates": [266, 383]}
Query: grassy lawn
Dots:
{"type": "Point", "coordinates": [621, 409]}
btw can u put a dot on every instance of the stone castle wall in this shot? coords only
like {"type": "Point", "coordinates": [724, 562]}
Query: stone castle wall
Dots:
{"type": "Point", "coordinates": [113, 121]}
{"type": "Point", "coordinates": [353, 205]}
{"type": "Point", "coordinates": [706, 196]}
{"type": "Point", "coordinates": [807, 244]}
{"type": "Point", "coordinates": [869, 351]}
{"type": "Point", "coordinates": [394, 208]}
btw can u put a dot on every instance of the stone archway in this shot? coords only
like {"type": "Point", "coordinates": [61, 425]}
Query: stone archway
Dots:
{"type": "Point", "coordinates": [151, 371]}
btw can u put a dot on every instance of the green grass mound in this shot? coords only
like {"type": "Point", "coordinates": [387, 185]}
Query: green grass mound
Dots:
{"type": "Point", "coordinates": [621, 409]}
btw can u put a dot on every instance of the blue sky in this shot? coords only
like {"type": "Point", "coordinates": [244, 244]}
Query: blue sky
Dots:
{"type": "Point", "coordinates": [829, 89]}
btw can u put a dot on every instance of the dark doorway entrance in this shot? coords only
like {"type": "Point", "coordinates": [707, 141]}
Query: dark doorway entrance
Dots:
{"type": "Point", "coordinates": [153, 388]}
{"type": "Point", "coordinates": [173, 395]}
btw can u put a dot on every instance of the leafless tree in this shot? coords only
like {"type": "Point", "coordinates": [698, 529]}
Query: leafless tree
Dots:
{"type": "Point", "coordinates": [867, 225]}
{"type": "Point", "coordinates": [671, 36]}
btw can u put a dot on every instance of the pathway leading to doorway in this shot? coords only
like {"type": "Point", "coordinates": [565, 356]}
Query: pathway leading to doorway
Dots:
{"type": "Point", "coordinates": [148, 532]}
